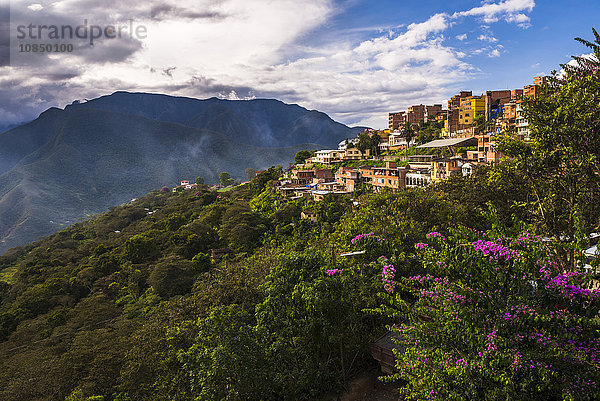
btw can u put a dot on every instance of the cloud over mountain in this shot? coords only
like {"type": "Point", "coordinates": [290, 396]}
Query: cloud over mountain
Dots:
{"type": "Point", "coordinates": [249, 48]}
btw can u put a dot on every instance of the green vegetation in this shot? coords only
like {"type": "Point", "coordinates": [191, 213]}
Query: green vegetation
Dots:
{"type": "Point", "coordinates": [368, 142]}
{"type": "Point", "coordinates": [129, 303]}
{"type": "Point", "coordinates": [226, 180]}
{"type": "Point", "coordinates": [302, 155]}
{"type": "Point", "coordinates": [130, 306]}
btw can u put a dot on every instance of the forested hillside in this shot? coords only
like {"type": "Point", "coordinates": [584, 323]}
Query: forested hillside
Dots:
{"type": "Point", "coordinates": [130, 302]}
{"type": "Point", "coordinates": [69, 164]}
{"type": "Point", "coordinates": [482, 280]}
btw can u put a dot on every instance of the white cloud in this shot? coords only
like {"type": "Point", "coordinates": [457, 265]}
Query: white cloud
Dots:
{"type": "Point", "coordinates": [508, 10]}
{"type": "Point", "coordinates": [35, 7]}
{"type": "Point", "coordinates": [241, 49]}
{"type": "Point", "coordinates": [488, 38]}
{"type": "Point", "coordinates": [575, 63]}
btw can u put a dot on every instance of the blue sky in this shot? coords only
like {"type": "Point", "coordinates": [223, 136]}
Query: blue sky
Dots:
{"type": "Point", "coordinates": [353, 59]}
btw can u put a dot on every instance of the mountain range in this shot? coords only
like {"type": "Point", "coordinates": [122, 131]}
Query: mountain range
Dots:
{"type": "Point", "coordinates": [70, 163]}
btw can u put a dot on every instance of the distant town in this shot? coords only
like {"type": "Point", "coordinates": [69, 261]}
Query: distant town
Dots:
{"type": "Point", "coordinates": [421, 145]}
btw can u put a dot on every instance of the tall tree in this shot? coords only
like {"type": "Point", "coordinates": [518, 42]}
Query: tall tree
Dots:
{"type": "Point", "coordinates": [225, 179]}
{"type": "Point", "coordinates": [250, 173]}
{"type": "Point", "coordinates": [364, 142]}
{"type": "Point", "coordinates": [375, 141]}
{"type": "Point", "coordinates": [301, 156]}
{"type": "Point", "coordinates": [586, 64]}
{"type": "Point", "coordinates": [562, 162]}
{"type": "Point", "coordinates": [408, 133]}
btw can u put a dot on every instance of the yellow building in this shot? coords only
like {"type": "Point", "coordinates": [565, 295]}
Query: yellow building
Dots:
{"type": "Point", "coordinates": [444, 167]}
{"type": "Point", "coordinates": [383, 134]}
{"type": "Point", "coordinates": [470, 107]}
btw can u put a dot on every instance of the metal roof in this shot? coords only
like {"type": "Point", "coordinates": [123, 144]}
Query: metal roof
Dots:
{"type": "Point", "coordinates": [442, 143]}
{"type": "Point", "coordinates": [591, 251]}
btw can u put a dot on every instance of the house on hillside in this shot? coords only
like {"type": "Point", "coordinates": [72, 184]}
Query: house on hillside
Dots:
{"type": "Point", "coordinates": [355, 154]}
{"type": "Point", "coordinates": [319, 195]}
{"type": "Point", "coordinates": [302, 177]}
{"type": "Point", "coordinates": [305, 177]}
{"type": "Point", "coordinates": [348, 178]}
{"type": "Point", "coordinates": [366, 174]}
{"type": "Point", "coordinates": [327, 156]}
{"type": "Point", "coordinates": [323, 175]}
{"type": "Point", "coordinates": [185, 184]}
{"type": "Point", "coordinates": [389, 176]}
{"type": "Point", "coordinates": [309, 215]}
{"type": "Point", "coordinates": [397, 141]}
{"type": "Point", "coordinates": [418, 178]}
{"type": "Point", "coordinates": [444, 167]}
{"type": "Point", "coordinates": [293, 191]}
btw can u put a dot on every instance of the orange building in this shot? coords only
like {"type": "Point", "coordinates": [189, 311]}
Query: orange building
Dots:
{"type": "Point", "coordinates": [389, 176]}
{"type": "Point", "coordinates": [349, 178]}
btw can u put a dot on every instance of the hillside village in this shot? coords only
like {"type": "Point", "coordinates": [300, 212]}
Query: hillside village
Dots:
{"type": "Point", "coordinates": [448, 142]}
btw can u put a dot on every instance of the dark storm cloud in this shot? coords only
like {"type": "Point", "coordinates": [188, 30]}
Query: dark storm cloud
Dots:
{"type": "Point", "coordinates": [100, 49]}
{"type": "Point", "coordinates": [167, 11]}
{"type": "Point", "coordinates": [19, 101]}
{"type": "Point", "coordinates": [4, 35]}
{"type": "Point", "coordinates": [106, 51]}
{"type": "Point", "coordinates": [169, 71]}
{"type": "Point", "coordinates": [22, 101]}
{"type": "Point", "coordinates": [203, 86]}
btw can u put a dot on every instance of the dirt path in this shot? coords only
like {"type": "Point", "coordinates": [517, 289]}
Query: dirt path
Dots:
{"type": "Point", "coordinates": [366, 387]}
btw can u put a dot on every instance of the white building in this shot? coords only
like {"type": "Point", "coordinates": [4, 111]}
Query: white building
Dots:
{"type": "Point", "coordinates": [418, 178]}
{"type": "Point", "coordinates": [522, 124]}
{"type": "Point", "coordinates": [397, 139]}
{"type": "Point", "coordinates": [467, 170]}
{"type": "Point", "coordinates": [327, 156]}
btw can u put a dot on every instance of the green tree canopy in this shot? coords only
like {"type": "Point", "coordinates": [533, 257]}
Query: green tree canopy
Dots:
{"type": "Point", "coordinates": [562, 163]}
{"type": "Point", "coordinates": [225, 179]}
{"type": "Point", "coordinates": [301, 156]}
{"type": "Point", "coordinates": [250, 173]}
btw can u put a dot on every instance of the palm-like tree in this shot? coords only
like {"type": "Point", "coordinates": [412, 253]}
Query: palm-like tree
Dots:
{"type": "Point", "coordinates": [586, 64]}
{"type": "Point", "coordinates": [375, 141]}
{"type": "Point", "coordinates": [408, 133]}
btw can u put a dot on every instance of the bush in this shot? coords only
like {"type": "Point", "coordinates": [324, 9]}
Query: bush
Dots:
{"type": "Point", "coordinates": [495, 318]}
{"type": "Point", "coordinates": [172, 276]}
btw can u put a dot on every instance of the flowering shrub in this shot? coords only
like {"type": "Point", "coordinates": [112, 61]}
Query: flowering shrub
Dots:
{"type": "Point", "coordinates": [421, 245]}
{"type": "Point", "coordinates": [387, 276]}
{"type": "Point", "coordinates": [496, 318]}
{"type": "Point", "coordinates": [360, 237]}
{"type": "Point", "coordinates": [435, 234]}
{"type": "Point", "coordinates": [373, 245]}
{"type": "Point", "coordinates": [495, 250]}
{"type": "Point", "coordinates": [333, 272]}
